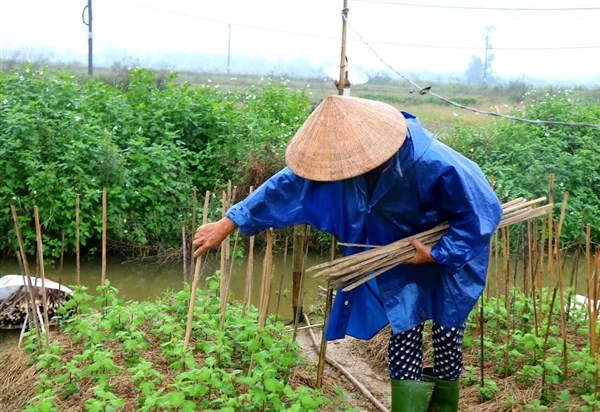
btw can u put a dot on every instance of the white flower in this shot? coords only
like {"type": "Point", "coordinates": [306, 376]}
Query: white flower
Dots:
{"type": "Point", "coordinates": [5, 101]}
{"type": "Point", "coordinates": [216, 86]}
{"type": "Point", "coordinates": [209, 80]}
{"type": "Point", "coordinates": [14, 198]}
{"type": "Point", "coordinates": [77, 118]}
{"type": "Point", "coordinates": [140, 129]}
{"type": "Point", "coordinates": [124, 220]}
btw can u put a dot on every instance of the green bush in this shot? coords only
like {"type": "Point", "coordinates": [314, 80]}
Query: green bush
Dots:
{"type": "Point", "coordinates": [521, 156]}
{"type": "Point", "coordinates": [149, 141]}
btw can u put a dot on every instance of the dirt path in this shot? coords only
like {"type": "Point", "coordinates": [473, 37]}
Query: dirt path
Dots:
{"type": "Point", "coordinates": [343, 352]}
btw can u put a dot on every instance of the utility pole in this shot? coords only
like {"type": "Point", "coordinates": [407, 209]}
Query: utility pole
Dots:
{"type": "Point", "coordinates": [88, 23]}
{"type": "Point", "coordinates": [485, 60]}
{"type": "Point", "coordinates": [342, 84]}
{"type": "Point", "coordinates": [229, 48]}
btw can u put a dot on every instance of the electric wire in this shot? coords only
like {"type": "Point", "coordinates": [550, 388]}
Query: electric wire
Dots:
{"type": "Point", "coordinates": [427, 91]}
{"type": "Point", "coordinates": [440, 6]}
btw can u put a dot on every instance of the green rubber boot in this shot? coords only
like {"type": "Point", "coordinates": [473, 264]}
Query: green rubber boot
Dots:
{"type": "Point", "coordinates": [410, 396]}
{"type": "Point", "coordinates": [445, 393]}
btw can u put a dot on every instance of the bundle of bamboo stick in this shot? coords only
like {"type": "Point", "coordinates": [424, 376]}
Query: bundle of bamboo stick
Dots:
{"type": "Point", "coordinates": [352, 271]}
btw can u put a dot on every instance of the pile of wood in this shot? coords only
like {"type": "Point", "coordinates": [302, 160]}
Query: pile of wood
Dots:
{"type": "Point", "coordinates": [15, 301]}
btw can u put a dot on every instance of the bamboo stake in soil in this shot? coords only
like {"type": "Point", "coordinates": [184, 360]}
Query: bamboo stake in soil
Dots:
{"type": "Point", "coordinates": [506, 241]}
{"type": "Point", "coordinates": [62, 259]}
{"type": "Point", "coordinates": [194, 218]}
{"type": "Point", "coordinates": [545, 347]}
{"type": "Point", "coordinates": [27, 273]}
{"type": "Point", "coordinates": [224, 250]}
{"type": "Point", "coordinates": [590, 294]}
{"type": "Point", "coordinates": [328, 303]}
{"type": "Point", "coordinates": [40, 253]}
{"type": "Point", "coordinates": [345, 372]}
{"type": "Point", "coordinates": [104, 224]}
{"type": "Point", "coordinates": [188, 329]}
{"type": "Point", "coordinates": [267, 278]}
{"type": "Point", "coordinates": [249, 272]}
{"type": "Point", "coordinates": [184, 250]}
{"type": "Point", "coordinates": [77, 245]}
{"type": "Point", "coordinates": [225, 299]}
{"type": "Point", "coordinates": [285, 249]}
{"type": "Point", "coordinates": [550, 234]}
{"type": "Point", "coordinates": [561, 290]}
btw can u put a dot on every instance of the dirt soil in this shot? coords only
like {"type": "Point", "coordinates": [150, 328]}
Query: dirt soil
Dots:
{"type": "Point", "coordinates": [345, 352]}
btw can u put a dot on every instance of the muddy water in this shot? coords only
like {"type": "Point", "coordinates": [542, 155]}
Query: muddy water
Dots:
{"type": "Point", "coordinates": [146, 280]}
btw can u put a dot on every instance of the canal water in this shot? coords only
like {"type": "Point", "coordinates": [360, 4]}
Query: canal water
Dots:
{"type": "Point", "coordinates": [144, 280]}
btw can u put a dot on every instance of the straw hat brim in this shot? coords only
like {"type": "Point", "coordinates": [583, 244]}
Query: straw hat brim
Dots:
{"type": "Point", "coordinates": [345, 137]}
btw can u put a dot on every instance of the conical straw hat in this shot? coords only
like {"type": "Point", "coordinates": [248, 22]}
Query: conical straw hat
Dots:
{"type": "Point", "coordinates": [345, 137]}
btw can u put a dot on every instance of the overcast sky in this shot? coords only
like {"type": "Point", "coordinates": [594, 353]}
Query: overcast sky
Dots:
{"type": "Point", "coordinates": [547, 44]}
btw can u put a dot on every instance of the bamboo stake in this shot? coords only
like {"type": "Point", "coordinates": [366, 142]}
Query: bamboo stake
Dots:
{"type": "Point", "coordinates": [225, 299]}
{"type": "Point", "coordinates": [184, 249]}
{"type": "Point", "coordinates": [506, 240]}
{"type": "Point", "coordinates": [40, 253]}
{"type": "Point", "coordinates": [194, 219]}
{"type": "Point", "coordinates": [104, 224]}
{"type": "Point", "coordinates": [224, 256]}
{"type": "Point", "coordinates": [27, 297]}
{"type": "Point", "coordinates": [267, 277]}
{"type": "Point", "coordinates": [77, 243]}
{"type": "Point", "coordinates": [550, 234]}
{"type": "Point", "coordinates": [328, 303]}
{"type": "Point", "coordinates": [575, 267]}
{"type": "Point", "coordinates": [198, 266]}
{"type": "Point", "coordinates": [301, 286]}
{"type": "Point", "coordinates": [560, 282]}
{"type": "Point", "coordinates": [545, 346]}
{"type": "Point", "coordinates": [249, 272]}
{"type": "Point", "coordinates": [347, 374]}
{"type": "Point", "coordinates": [285, 249]}
{"type": "Point", "coordinates": [62, 259]}
{"type": "Point", "coordinates": [27, 273]}
{"type": "Point", "coordinates": [590, 293]}
{"type": "Point", "coordinates": [541, 268]}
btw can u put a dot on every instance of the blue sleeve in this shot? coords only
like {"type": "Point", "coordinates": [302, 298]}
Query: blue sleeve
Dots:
{"type": "Point", "coordinates": [474, 213]}
{"type": "Point", "coordinates": [279, 202]}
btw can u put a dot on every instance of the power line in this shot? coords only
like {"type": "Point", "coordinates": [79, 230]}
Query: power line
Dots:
{"type": "Point", "coordinates": [439, 6]}
{"type": "Point", "coordinates": [427, 91]}
{"type": "Point", "coordinates": [381, 42]}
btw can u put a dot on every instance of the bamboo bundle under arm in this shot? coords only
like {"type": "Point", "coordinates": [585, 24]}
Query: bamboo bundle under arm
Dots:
{"type": "Point", "coordinates": [352, 271]}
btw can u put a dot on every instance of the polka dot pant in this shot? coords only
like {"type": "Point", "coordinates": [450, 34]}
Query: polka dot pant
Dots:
{"type": "Point", "coordinates": [406, 353]}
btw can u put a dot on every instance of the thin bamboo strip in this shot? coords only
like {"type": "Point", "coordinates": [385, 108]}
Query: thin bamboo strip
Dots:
{"type": "Point", "coordinates": [40, 253]}
{"type": "Point", "coordinates": [512, 208]}
{"type": "Point", "coordinates": [104, 228]}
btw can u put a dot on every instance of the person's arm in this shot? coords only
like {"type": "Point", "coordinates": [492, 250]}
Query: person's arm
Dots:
{"type": "Point", "coordinates": [474, 210]}
{"type": "Point", "coordinates": [277, 203]}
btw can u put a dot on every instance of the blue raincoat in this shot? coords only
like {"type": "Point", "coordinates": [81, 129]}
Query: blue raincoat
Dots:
{"type": "Point", "coordinates": [426, 183]}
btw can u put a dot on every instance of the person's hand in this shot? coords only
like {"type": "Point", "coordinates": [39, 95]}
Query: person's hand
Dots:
{"type": "Point", "coordinates": [211, 235]}
{"type": "Point", "coordinates": [423, 253]}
